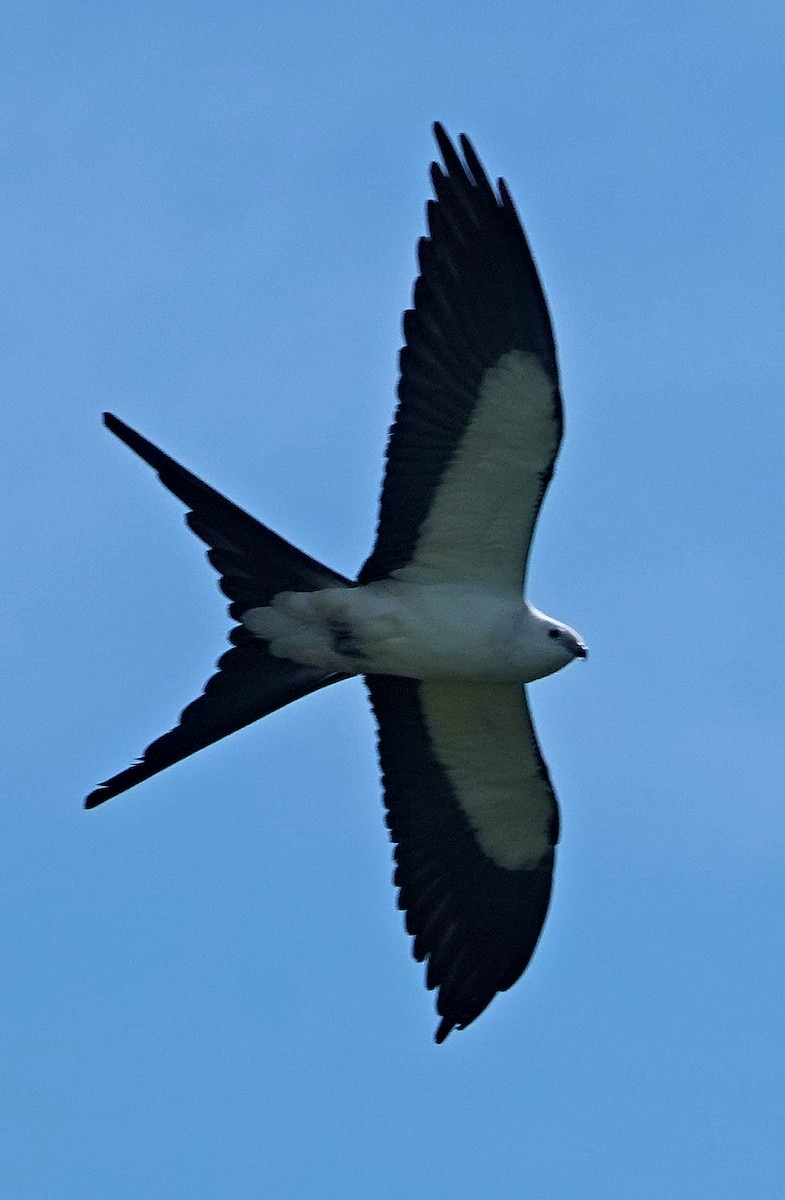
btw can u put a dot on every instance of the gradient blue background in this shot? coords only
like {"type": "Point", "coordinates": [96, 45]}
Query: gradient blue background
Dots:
{"type": "Point", "coordinates": [209, 215]}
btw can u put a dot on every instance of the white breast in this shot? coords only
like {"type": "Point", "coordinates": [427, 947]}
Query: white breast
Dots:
{"type": "Point", "coordinates": [436, 631]}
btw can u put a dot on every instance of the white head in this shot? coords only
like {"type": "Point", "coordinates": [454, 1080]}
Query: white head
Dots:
{"type": "Point", "coordinates": [551, 644]}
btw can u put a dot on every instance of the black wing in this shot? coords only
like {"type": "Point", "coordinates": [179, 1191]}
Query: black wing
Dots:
{"type": "Point", "coordinates": [471, 808]}
{"type": "Point", "coordinates": [479, 418]}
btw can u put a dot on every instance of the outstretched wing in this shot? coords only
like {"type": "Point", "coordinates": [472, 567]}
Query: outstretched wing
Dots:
{"type": "Point", "coordinates": [254, 564]}
{"type": "Point", "coordinates": [472, 812]}
{"type": "Point", "coordinates": [479, 418]}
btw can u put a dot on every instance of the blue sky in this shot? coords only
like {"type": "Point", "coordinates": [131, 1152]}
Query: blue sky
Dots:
{"type": "Point", "coordinates": [209, 215]}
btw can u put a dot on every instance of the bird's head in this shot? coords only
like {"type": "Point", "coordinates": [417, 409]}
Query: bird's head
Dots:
{"type": "Point", "coordinates": [566, 640]}
{"type": "Point", "coordinates": [554, 643]}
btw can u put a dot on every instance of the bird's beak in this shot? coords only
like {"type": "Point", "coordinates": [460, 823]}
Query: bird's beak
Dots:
{"type": "Point", "coordinates": [582, 651]}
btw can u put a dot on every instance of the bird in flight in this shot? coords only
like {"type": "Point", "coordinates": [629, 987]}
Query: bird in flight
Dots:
{"type": "Point", "coordinates": [436, 622]}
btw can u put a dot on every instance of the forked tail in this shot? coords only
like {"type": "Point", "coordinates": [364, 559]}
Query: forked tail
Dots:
{"type": "Point", "coordinates": [255, 564]}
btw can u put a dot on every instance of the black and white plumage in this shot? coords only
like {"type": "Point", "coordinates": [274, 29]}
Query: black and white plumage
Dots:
{"type": "Point", "coordinates": [435, 622]}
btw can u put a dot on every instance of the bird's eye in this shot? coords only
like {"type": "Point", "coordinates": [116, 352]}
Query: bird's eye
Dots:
{"type": "Point", "coordinates": [554, 633]}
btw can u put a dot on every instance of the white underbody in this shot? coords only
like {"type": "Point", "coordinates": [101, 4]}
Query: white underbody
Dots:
{"type": "Point", "coordinates": [453, 617]}
{"type": "Point", "coordinates": [420, 631]}
{"type": "Point", "coordinates": [455, 611]}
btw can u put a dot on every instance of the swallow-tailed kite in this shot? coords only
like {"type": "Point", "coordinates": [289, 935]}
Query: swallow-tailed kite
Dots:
{"type": "Point", "coordinates": [435, 622]}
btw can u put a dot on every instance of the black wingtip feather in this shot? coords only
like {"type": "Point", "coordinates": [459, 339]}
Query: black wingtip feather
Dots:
{"type": "Point", "coordinates": [439, 133]}
{"type": "Point", "coordinates": [448, 152]}
{"type": "Point", "coordinates": [445, 1028]}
